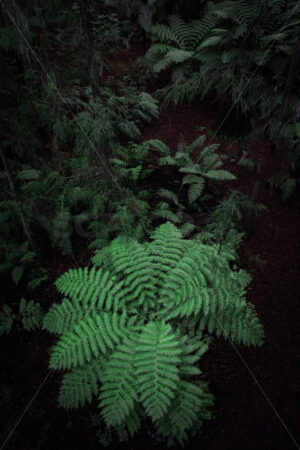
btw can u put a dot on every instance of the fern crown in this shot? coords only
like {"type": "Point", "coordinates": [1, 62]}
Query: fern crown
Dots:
{"type": "Point", "coordinates": [134, 324]}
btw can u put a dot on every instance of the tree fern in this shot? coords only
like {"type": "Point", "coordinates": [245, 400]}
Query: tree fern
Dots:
{"type": "Point", "coordinates": [131, 330]}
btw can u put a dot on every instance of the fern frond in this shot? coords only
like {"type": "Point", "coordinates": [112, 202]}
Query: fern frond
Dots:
{"type": "Point", "coordinates": [119, 391]}
{"type": "Point", "coordinates": [63, 317]}
{"type": "Point", "coordinates": [174, 56]}
{"type": "Point", "coordinates": [163, 210]}
{"type": "Point", "coordinates": [7, 318]}
{"type": "Point", "coordinates": [79, 385]}
{"type": "Point", "coordinates": [186, 229]}
{"type": "Point", "coordinates": [166, 161]}
{"type": "Point", "coordinates": [220, 175]}
{"type": "Point", "coordinates": [197, 143]}
{"type": "Point", "coordinates": [200, 28]}
{"type": "Point", "coordinates": [189, 406]}
{"type": "Point", "coordinates": [131, 261]}
{"type": "Point", "coordinates": [158, 145]}
{"type": "Point", "coordinates": [157, 356]}
{"type": "Point", "coordinates": [164, 33]}
{"type": "Point", "coordinates": [93, 336]}
{"type": "Point", "coordinates": [157, 50]}
{"type": "Point", "coordinates": [211, 42]}
{"type": "Point", "coordinates": [169, 195]}
{"type": "Point", "coordinates": [182, 30]}
{"type": "Point", "coordinates": [246, 13]}
{"type": "Point", "coordinates": [196, 189]}
{"type": "Point", "coordinates": [168, 249]}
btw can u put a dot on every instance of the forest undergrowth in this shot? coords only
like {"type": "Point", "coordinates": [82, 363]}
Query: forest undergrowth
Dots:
{"type": "Point", "coordinates": [149, 211]}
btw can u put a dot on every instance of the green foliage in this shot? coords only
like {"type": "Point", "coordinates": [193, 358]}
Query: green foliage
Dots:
{"type": "Point", "coordinates": [179, 42]}
{"type": "Point", "coordinates": [130, 162]}
{"type": "Point", "coordinates": [142, 207]}
{"type": "Point", "coordinates": [198, 174]}
{"type": "Point", "coordinates": [30, 316]}
{"type": "Point", "coordinates": [102, 121]}
{"type": "Point", "coordinates": [220, 226]}
{"type": "Point", "coordinates": [47, 196]}
{"type": "Point", "coordinates": [286, 184]}
{"type": "Point", "coordinates": [107, 29]}
{"type": "Point", "coordinates": [131, 330]}
{"type": "Point", "coordinates": [229, 52]}
{"type": "Point", "coordinates": [18, 259]}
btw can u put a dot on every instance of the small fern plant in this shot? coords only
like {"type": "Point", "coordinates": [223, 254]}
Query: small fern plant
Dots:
{"type": "Point", "coordinates": [206, 169]}
{"type": "Point", "coordinates": [131, 330]}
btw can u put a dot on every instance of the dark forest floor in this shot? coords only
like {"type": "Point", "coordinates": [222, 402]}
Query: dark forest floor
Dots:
{"type": "Point", "coordinates": [255, 390]}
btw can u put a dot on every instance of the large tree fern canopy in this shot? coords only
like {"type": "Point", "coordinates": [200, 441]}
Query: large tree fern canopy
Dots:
{"type": "Point", "coordinates": [131, 329]}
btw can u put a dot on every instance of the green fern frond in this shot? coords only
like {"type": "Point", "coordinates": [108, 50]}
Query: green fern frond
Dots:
{"type": "Point", "coordinates": [186, 229]}
{"type": "Point", "coordinates": [167, 161]}
{"type": "Point", "coordinates": [79, 385]}
{"type": "Point", "coordinates": [220, 175]}
{"type": "Point", "coordinates": [119, 391]}
{"type": "Point", "coordinates": [157, 50]}
{"type": "Point", "coordinates": [92, 288]}
{"type": "Point", "coordinates": [168, 248]}
{"type": "Point", "coordinates": [211, 41]}
{"type": "Point", "coordinates": [131, 425]}
{"type": "Point", "coordinates": [164, 33]}
{"type": "Point", "coordinates": [200, 28]}
{"type": "Point", "coordinates": [188, 408]}
{"type": "Point", "coordinates": [191, 168]}
{"type": "Point", "coordinates": [136, 269]}
{"type": "Point", "coordinates": [7, 318]}
{"type": "Point", "coordinates": [169, 195]}
{"type": "Point", "coordinates": [65, 316]}
{"type": "Point", "coordinates": [174, 56]}
{"type": "Point", "coordinates": [182, 30]}
{"type": "Point", "coordinates": [247, 13]}
{"type": "Point", "coordinates": [157, 357]}
{"type": "Point", "coordinates": [210, 161]}
{"type": "Point", "coordinates": [158, 145]}
{"type": "Point", "coordinates": [195, 190]}
{"type": "Point", "coordinates": [87, 340]}
{"type": "Point", "coordinates": [163, 211]}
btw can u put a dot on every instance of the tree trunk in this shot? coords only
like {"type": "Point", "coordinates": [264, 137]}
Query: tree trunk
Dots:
{"type": "Point", "coordinates": [88, 33]}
